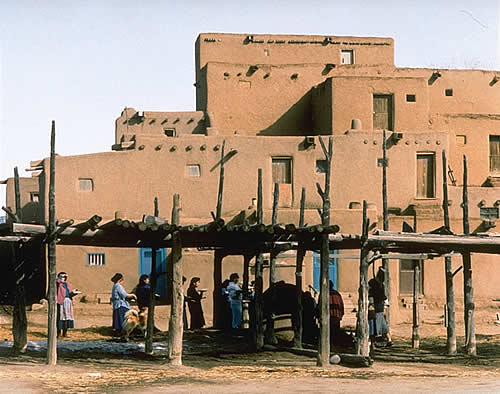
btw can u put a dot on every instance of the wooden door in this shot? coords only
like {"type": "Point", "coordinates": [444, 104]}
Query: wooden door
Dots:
{"type": "Point", "coordinates": [426, 175]}
{"type": "Point", "coordinates": [282, 175]}
{"type": "Point", "coordinates": [495, 154]}
{"type": "Point", "coordinates": [382, 112]}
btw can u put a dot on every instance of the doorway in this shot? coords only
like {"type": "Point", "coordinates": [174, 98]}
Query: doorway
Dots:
{"type": "Point", "coordinates": [383, 112]}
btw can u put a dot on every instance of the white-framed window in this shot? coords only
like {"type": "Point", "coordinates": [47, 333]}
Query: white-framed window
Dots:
{"type": "Point", "coordinates": [96, 259]}
{"type": "Point", "coordinates": [346, 56]}
{"type": "Point", "coordinates": [85, 184]}
{"type": "Point", "coordinates": [193, 170]}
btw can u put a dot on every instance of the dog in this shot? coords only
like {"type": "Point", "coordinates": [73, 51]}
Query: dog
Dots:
{"type": "Point", "coordinates": [134, 319]}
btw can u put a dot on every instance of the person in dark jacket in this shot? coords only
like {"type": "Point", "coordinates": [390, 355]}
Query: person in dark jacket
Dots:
{"type": "Point", "coordinates": [194, 304]}
{"type": "Point", "coordinates": [143, 293]}
{"type": "Point", "coordinates": [376, 291]}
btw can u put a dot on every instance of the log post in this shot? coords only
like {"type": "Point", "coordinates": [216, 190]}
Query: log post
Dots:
{"type": "Point", "coordinates": [148, 346]}
{"type": "Point", "coordinates": [176, 326]}
{"type": "Point", "coordinates": [324, 304]}
{"type": "Point", "coordinates": [272, 261]}
{"type": "Point", "coordinates": [246, 279]}
{"type": "Point", "coordinates": [52, 314]}
{"type": "Point", "coordinates": [415, 334]}
{"type": "Point", "coordinates": [217, 270]}
{"type": "Point", "coordinates": [259, 283]}
{"type": "Point", "coordinates": [297, 328]}
{"type": "Point", "coordinates": [469, 307]}
{"type": "Point", "coordinates": [19, 318]}
{"type": "Point", "coordinates": [385, 212]}
{"type": "Point", "coordinates": [451, 343]}
{"type": "Point", "coordinates": [362, 332]}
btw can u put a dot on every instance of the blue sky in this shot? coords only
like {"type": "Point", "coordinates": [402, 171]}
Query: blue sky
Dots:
{"type": "Point", "coordinates": [81, 62]}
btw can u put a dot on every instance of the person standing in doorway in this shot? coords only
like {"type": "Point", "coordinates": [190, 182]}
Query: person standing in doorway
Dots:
{"type": "Point", "coordinates": [235, 298]}
{"type": "Point", "coordinates": [194, 304]}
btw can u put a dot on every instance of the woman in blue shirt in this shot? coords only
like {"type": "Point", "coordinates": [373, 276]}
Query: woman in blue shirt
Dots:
{"type": "Point", "coordinates": [119, 299]}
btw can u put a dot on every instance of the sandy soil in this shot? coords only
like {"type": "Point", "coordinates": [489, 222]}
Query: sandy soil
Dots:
{"type": "Point", "coordinates": [89, 361]}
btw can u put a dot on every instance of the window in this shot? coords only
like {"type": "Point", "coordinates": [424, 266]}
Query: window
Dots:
{"type": "Point", "coordinates": [34, 197]}
{"type": "Point", "coordinates": [193, 170]}
{"type": "Point", "coordinates": [266, 52]}
{"type": "Point", "coordinates": [86, 184]}
{"type": "Point", "coordinates": [321, 166]}
{"type": "Point", "coordinates": [488, 212]}
{"type": "Point", "coordinates": [495, 154]}
{"type": "Point", "coordinates": [170, 132]}
{"type": "Point", "coordinates": [426, 175]}
{"type": "Point", "coordinates": [448, 92]}
{"type": "Point", "coordinates": [96, 259]}
{"type": "Point", "coordinates": [411, 98]}
{"type": "Point", "coordinates": [406, 276]}
{"type": "Point", "coordinates": [461, 139]}
{"type": "Point", "coordinates": [282, 175]}
{"type": "Point", "coordinates": [347, 56]}
{"type": "Point", "coordinates": [382, 112]}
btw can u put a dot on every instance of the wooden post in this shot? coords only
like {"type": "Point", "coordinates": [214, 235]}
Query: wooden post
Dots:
{"type": "Point", "coordinates": [451, 343]}
{"type": "Point", "coordinates": [272, 262]}
{"type": "Point", "coordinates": [469, 307]}
{"type": "Point", "coordinates": [52, 315]}
{"type": "Point", "coordinates": [362, 332]}
{"type": "Point", "coordinates": [324, 304]}
{"type": "Point", "coordinates": [176, 326]}
{"type": "Point", "coordinates": [217, 270]}
{"type": "Point", "coordinates": [259, 283]}
{"type": "Point", "coordinates": [246, 279]}
{"type": "Point", "coordinates": [19, 318]}
{"type": "Point", "coordinates": [415, 335]}
{"type": "Point", "coordinates": [297, 329]}
{"type": "Point", "coordinates": [385, 211]}
{"type": "Point", "coordinates": [148, 347]}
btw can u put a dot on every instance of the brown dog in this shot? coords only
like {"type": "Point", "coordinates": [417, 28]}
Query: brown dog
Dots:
{"type": "Point", "coordinates": [132, 320]}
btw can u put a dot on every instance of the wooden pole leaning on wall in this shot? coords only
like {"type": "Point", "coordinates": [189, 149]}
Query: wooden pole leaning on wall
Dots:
{"type": "Point", "coordinates": [451, 333]}
{"type": "Point", "coordinates": [176, 325]}
{"type": "Point", "coordinates": [297, 325]}
{"type": "Point", "coordinates": [385, 212]}
{"type": "Point", "coordinates": [272, 260]}
{"type": "Point", "coordinates": [469, 308]}
{"type": "Point", "coordinates": [19, 318]}
{"type": "Point", "coordinates": [52, 314]}
{"type": "Point", "coordinates": [324, 294]}
{"type": "Point", "coordinates": [259, 281]}
{"type": "Point", "coordinates": [362, 331]}
{"type": "Point", "coordinates": [148, 346]}
{"type": "Point", "coordinates": [217, 301]}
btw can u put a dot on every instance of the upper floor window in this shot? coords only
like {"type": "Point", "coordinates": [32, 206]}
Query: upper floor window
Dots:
{"type": "Point", "coordinates": [85, 184]}
{"type": "Point", "coordinates": [495, 154]}
{"type": "Point", "coordinates": [193, 170]}
{"type": "Point", "coordinates": [282, 175]}
{"type": "Point", "coordinates": [34, 197]}
{"type": "Point", "coordinates": [170, 132]}
{"type": "Point", "coordinates": [347, 56]}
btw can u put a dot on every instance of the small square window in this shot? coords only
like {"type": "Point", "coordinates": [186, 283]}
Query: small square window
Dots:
{"type": "Point", "coordinates": [96, 259]}
{"type": "Point", "coordinates": [170, 132]}
{"type": "Point", "coordinates": [193, 170]}
{"type": "Point", "coordinates": [448, 92]}
{"type": "Point", "coordinates": [488, 213]}
{"type": "Point", "coordinates": [34, 197]}
{"type": "Point", "coordinates": [411, 98]}
{"type": "Point", "coordinates": [86, 184]}
{"type": "Point", "coordinates": [321, 166]}
{"type": "Point", "coordinates": [266, 52]}
{"type": "Point", "coordinates": [347, 56]}
{"type": "Point", "coordinates": [461, 139]}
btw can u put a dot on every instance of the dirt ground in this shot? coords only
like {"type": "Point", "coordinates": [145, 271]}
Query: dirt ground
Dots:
{"type": "Point", "coordinates": [89, 361]}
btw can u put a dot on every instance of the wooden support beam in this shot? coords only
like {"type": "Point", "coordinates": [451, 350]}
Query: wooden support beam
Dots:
{"type": "Point", "coordinates": [218, 301]}
{"type": "Point", "coordinates": [11, 214]}
{"type": "Point", "coordinates": [272, 261]}
{"type": "Point", "coordinates": [148, 346]}
{"type": "Point", "coordinates": [451, 333]}
{"type": "Point", "coordinates": [415, 334]}
{"type": "Point", "coordinates": [17, 193]}
{"type": "Point", "coordinates": [176, 326]}
{"type": "Point", "coordinates": [221, 183]}
{"type": "Point", "coordinates": [259, 284]}
{"type": "Point", "coordinates": [297, 325]}
{"type": "Point", "coordinates": [385, 213]}
{"type": "Point", "coordinates": [52, 314]}
{"type": "Point", "coordinates": [362, 332]}
{"type": "Point", "coordinates": [469, 307]}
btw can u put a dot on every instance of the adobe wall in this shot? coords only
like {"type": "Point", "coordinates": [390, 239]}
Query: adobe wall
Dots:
{"type": "Point", "coordinates": [30, 209]}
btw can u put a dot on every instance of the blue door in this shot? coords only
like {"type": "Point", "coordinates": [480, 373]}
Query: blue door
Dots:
{"type": "Point", "coordinates": [332, 269]}
{"type": "Point", "coordinates": [145, 255]}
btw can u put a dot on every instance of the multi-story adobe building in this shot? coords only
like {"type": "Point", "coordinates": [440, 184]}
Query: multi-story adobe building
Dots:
{"type": "Point", "coordinates": [270, 97]}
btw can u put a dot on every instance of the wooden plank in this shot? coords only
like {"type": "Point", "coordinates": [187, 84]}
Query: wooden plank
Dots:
{"type": "Point", "coordinates": [362, 332]}
{"type": "Point", "coordinates": [259, 284]}
{"type": "Point", "coordinates": [385, 214]}
{"type": "Point", "coordinates": [52, 313]}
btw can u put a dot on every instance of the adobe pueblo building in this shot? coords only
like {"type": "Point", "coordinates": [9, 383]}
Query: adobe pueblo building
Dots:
{"type": "Point", "coordinates": [270, 97]}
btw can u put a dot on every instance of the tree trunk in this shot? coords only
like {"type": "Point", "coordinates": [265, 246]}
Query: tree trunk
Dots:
{"type": "Point", "coordinates": [297, 327]}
